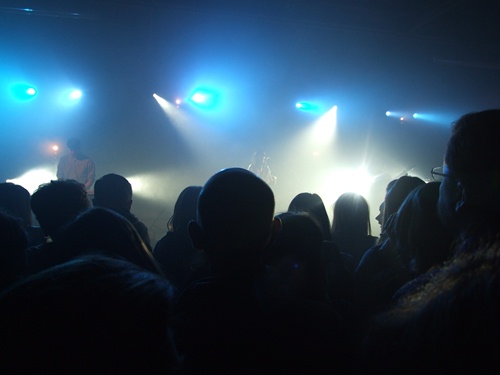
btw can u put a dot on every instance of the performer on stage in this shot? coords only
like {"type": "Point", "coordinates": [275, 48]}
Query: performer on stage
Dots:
{"type": "Point", "coordinates": [260, 167]}
{"type": "Point", "coordinates": [76, 166]}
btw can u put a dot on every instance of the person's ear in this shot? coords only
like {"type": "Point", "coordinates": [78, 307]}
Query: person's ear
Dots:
{"type": "Point", "coordinates": [461, 199]}
{"type": "Point", "coordinates": [196, 234]}
{"type": "Point", "coordinates": [276, 227]}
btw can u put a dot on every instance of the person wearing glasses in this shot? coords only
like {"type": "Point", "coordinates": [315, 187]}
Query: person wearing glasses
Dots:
{"type": "Point", "coordinates": [469, 197]}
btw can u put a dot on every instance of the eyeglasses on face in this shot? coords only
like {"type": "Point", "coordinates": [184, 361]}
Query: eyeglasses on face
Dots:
{"type": "Point", "coordinates": [438, 174]}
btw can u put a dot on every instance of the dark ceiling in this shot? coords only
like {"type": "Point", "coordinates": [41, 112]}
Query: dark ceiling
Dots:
{"type": "Point", "coordinates": [366, 56]}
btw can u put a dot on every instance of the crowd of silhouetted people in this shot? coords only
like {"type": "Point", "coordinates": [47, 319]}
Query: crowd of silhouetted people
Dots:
{"type": "Point", "coordinates": [236, 288]}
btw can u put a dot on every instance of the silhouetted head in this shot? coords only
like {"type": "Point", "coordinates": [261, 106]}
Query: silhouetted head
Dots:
{"type": "Point", "coordinates": [74, 144]}
{"type": "Point", "coordinates": [15, 200]}
{"type": "Point", "coordinates": [113, 191]}
{"type": "Point", "coordinates": [351, 215]}
{"type": "Point", "coordinates": [381, 209]}
{"type": "Point", "coordinates": [92, 315]}
{"type": "Point", "coordinates": [470, 190]}
{"type": "Point", "coordinates": [184, 210]}
{"type": "Point", "coordinates": [419, 236]}
{"type": "Point", "coordinates": [296, 255]}
{"type": "Point", "coordinates": [235, 219]}
{"type": "Point", "coordinates": [57, 203]}
{"type": "Point", "coordinates": [312, 204]}
{"type": "Point", "coordinates": [398, 193]}
{"type": "Point", "coordinates": [102, 231]}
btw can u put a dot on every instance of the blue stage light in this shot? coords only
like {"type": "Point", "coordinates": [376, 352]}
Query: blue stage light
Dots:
{"type": "Point", "coordinates": [307, 106]}
{"type": "Point", "coordinates": [70, 97]}
{"type": "Point", "coordinates": [415, 115]}
{"type": "Point", "coordinates": [205, 98]}
{"type": "Point", "coordinates": [388, 113]}
{"type": "Point", "coordinates": [23, 91]}
{"type": "Point", "coordinates": [75, 94]}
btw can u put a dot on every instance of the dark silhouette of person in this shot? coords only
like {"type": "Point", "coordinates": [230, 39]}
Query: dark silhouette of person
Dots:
{"type": "Point", "coordinates": [114, 192]}
{"type": "Point", "coordinates": [296, 257]}
{"type": "Point", "coordinates": [54, 204]}
{"type": "Point", "coordinates": [15, 200]}
{"type": "Point", "coordinates": [351, 229]}
{"type": "Point", "coordinates": [312, 204]}
{"type": "Point", "coordinates": [181, 262]}
{"type": "Point", "coordinates": [93, 315]}
{"type": "Point", "coordinates": [230, 322]}
{"type": "Point", "coordinates": [102, 231]}
{"type": "Point", "coordinates": [76, 165]}
{"type": "Point", "coordinates": [469, 198]}
{"type": "Point", "coordinates": [380, 272]}
{"type": "Point", "coordinates": [449, 323]}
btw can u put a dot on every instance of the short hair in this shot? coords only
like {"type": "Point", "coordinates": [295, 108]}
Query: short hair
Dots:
{"type": "Point", "coordinates": [74, 144]}
{"type": "Point", "coordinates": [16, 200]}
{"type": "Point", "coordinates": [236, 208]}
{"type": "Point", "coordinates": [103, 231]}
{"type": "Point", "coordinates": [57, 203]}
{"type": "Point", "coordinates": [473, 146]}
{"type": "Point", "coordinates": [112, 191]}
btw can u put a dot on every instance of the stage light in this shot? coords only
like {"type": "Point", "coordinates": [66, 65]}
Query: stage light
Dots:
{"type": "Point", "coordinates": [178, 101]}
{"type": "Point", "coordinates": [402, 119]}
{"type": "Point", "coordinates": [23, 91]}
{"type": "Point", "coordinates": [388, 113]}
{"type": "Point", "coordinates": [307, 106]}
{"type": "Point", "coordinates": [70, 97]}
{"type": "Point", "coordinates": [324, 128]}
{"type": "Point", "coordinates": [205, 98]}
{"type": "Point", "coordinates": [415, 115]}
{"type": "Point", "coordinates": [340, 181]}
{"type": "Point", "coordinates": [33, 178]}
{"type": "Point", "coordinates": [75, 94]}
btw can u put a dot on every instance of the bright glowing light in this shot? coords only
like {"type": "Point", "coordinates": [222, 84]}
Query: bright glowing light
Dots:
{"type": "Point", "coordinates": [324, 129]}
{"type": "Point", "coordinates": [35, 177]}
{"type": "Point", "coordinates": [70, 97]}
{"type": "Point", "coordinates": [402, 119]}
{"type": "Point", "coordinates": [388, 113]}
{"type": "Point", "coordinates": [176, 116]}
{"type": "Point", "coordinates": [178, 101]}
{"type": "Point", "coordinates": [199, 98]}
{"type": "Point", "coordinates": [308, 106]}
{"type": "Point", "coordinates": [75, 95]}
{"type": "Point", "coordinates": [205, 98]}
{"type": "Point", "coordinates": [347, 180]}
{"type": "Point", "coordinates": [415, 115]}
{"type": "Point", "coordinates": [23, 91]}
{"type": "Point", "coordinates": [55, 148]}
{"type": "Point", "coordinates": [151, 186]}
